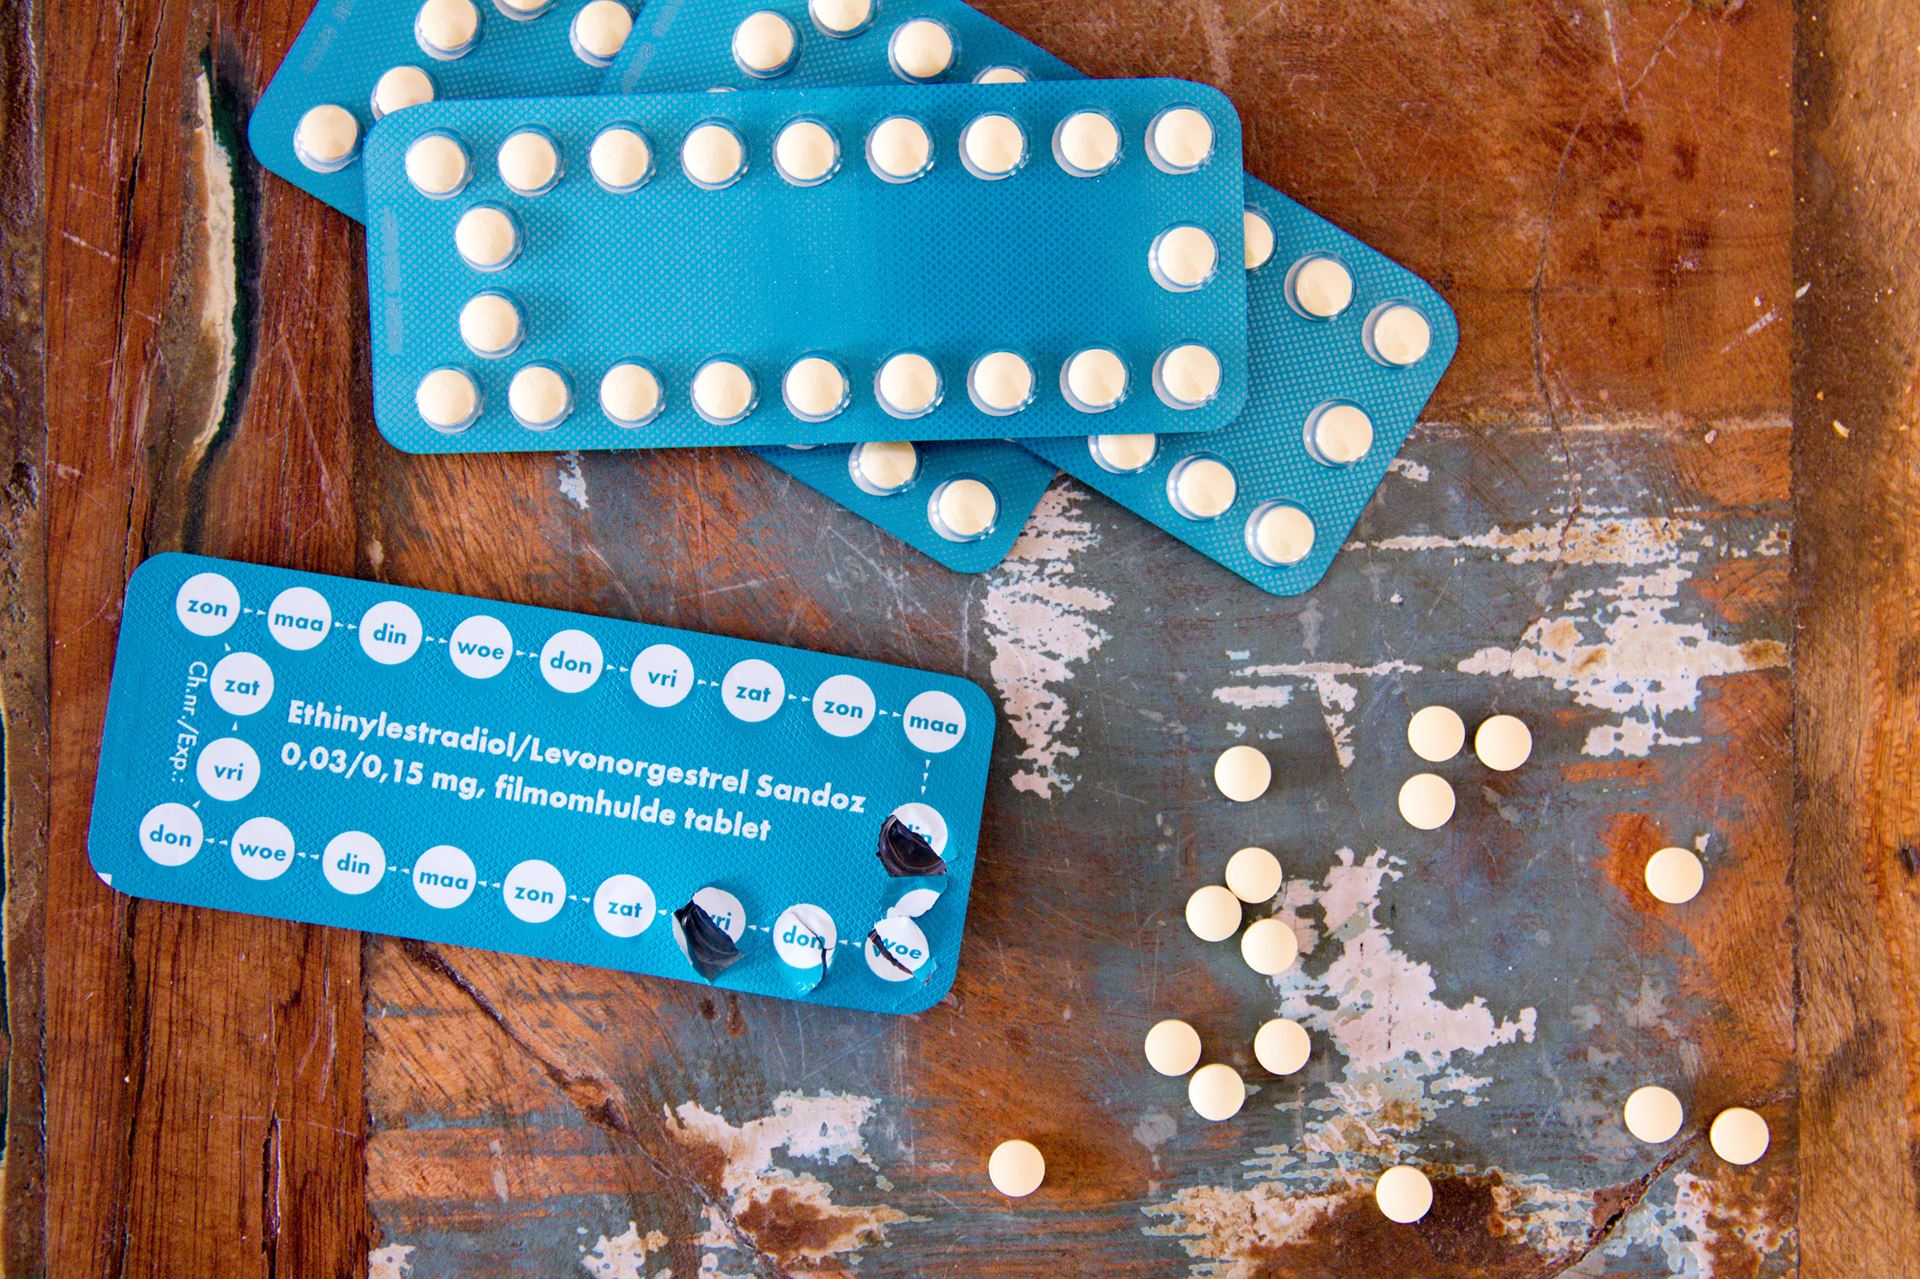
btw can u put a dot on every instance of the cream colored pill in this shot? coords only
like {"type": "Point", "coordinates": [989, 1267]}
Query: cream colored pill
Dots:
{"type": "Point", "coordinates": [1124, 453]}
{"type": "Point", "coordinates": [1322, 287]}
{"type": "Point", "coordinates": [1503, 743]}
{"type": "Point", "coordinates": [1283, 534]}
{"type": "Point", "coordinates": [899, 147]}
{"type": "Point", "coordinates": [1242, 773]}
{"type": "Point", "coordinates": [1203, 487]}
{"type": "Point", "coordinates": [722, 391]}
{"type": "Point", "coordinates": [815, 388]}
{"type": "Point", "coordinates": [1401, 335]}
{"type": "Point", "coordinates": [1426, 801]}
{"type": "Point", "coordinates": [805, 151]}
{"type": "Point", "coordinates": [1088, 143]}
{"type": "Point", "coordinates": [619, 158]}
{"type": "Point", "coordinates": [1403, 1193]}
{"type": "Point", "coordinates": [1213, 913]}
{"type": "Point", "coordinates": [994, 145]}
{"type": "Point", "coordinates": [1189, 376]}
{"type": "Point", "coordinates": [447, 399]}
{"type": "Point", "coordinates": [1216, 1092]}
{"type": "Point", "coordinates": [538, 396]}
{"type": "Point", "coordinates": [1001, 382]}
{"type": "Point", "coordinates": [1184, 258]}
{"type": "Point", "coordinates": [965, 508]}
{"type": "Point", "coordinates": [399, 88]}
{"type": "Point", "coordinates": [436, 164]}
{"type": "Point", "coordinates": [599, 30]}
{"type": "Point", "coordinates": [1257, 234]}
{"type": "Point", "coordinates": [486, 237]}
{"type": "Point", "coordinates": [326, 137]}
{"type": "Point", "coordinates": [1096, 379]}
{"type": "Point", "coordinates": [1675, 875]}
{"type": "Point", "coordinates": [1173, 1047]}
{"type": "Point", "coordinates": [1254, 875]}
{"type": "Point", "coordinates": [490, 324]}
{"type": "Point", "coordinates": [528, 162]}
{"type": "Point", "coordinates": [1436, 733]}
{"type": "Point", "coordinates": [1001, 75]}
{"type": "Point", "coordinates": [1342, 434]}
{"type": "Point", "coordinates": [445, 28]}
{"type": "Point", "coordinates": [712, 155]}
{"type": "Point", "coordinates": [1652, 1114]}
{"type": "Point", "coordinates": [921, 49]}
{"type": "Point", "coordinates": [1182, 138]}
{"type": "Point", "coordinates": [763, 43]}
{"type": "Point", "coordinates": [840, 17]}
{"type": "Point", "coordinates": [1282, 1046]}
{"type": "Point", "coordinates": [630, 394]}
{"type": "Point", "coordinates": [886, 466]}
{"type": "Point", "coordinates": [1269, 947]}
{"type": "Point", "coordinates": [1016, 1168]}
{"type": "Point", "coordinates": [909, 385]}
{"type": "Point", "coordinates": [1739, 1135]}
{"type": "Point", "coordinates": [524, 8]}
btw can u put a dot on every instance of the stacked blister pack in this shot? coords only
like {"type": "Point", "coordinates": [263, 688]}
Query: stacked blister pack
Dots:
{"type": "Point", "coordinates": [815, 227]}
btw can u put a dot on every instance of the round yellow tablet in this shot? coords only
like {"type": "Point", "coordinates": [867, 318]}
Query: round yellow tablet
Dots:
{"type": "Point", "coordinates": [1675, 875]}
{"type": "Point", "coordinates": [1173, 1047]}
{"type": "Point", "coordinates": [1399, 335]}
{"type": "Point", "coordinates": [1124, 454]}
{"type": "Point", "coordinates": [1213, 913]}
{"type": "Point", "coordinates": [1280, 533]}
{"type": "Point", "coordinates": [1254, 875]}
{"type": "Point", "coordinates": [1180, 139]}
{"type": "Point", "coordinates": [1258, 239]}
{"type": "Point", "coordinates": [1738, 1135]}
{"type": "Point", "coordinates": [1403, 1193]}
{"type": "Point", "coordinates": [1189, 376]}
{"type": "Point", "coordinates": [326, 137]}
{"type": "Point", "coordinates": [1652, 1114]}
{"type": "Point", "coordinates": [1426, 801]}
{"type": "Point", "coordinates": [1282, 1046]}
{"type": "Point", "coordinates": [1242, 773]}
{"type": "Point", "coordinates": [884, 466]}
{"type": "Point", "coordinates": [908, 385]}
{"type": "Point", "coordinates": [1269, 947]}
{"type": "Point", "coordinates": [1436, 733]}
{"type": "Point", "coordinates": [964, 509]}
{"type": "Point", "coordinates": [1016, 1168]}
{"type": "Point", "coordinates": [1321, 286]}
{"type": "Point", "coordinates": [1503, 743]}
{"type": "Point", "coordinates": [1094, 379]}
{"type": "Point", "coordinates": [921, 49]}
{"type": "Point", "coordinates": [1216, 1092]}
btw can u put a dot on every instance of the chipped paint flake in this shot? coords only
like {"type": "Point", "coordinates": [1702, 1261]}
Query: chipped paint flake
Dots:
{"type": "Point", "coordinates": [1331, 682]}
{"type": "Point", "coordinates": [624, 1256]}
{"type": "Point", "coordinates": [217, 254]}
{"type": "Point", "coordinates": [390, 1262]}
{"type": "Point", "coordinates": [1408, 469]}
{"type": "Point", "coordinates": [573, 484]}
{"type": "Point", "coordinates": [1625, 541]}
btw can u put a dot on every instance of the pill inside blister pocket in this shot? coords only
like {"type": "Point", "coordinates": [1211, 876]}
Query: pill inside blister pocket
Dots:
{"type": "Point", "coordinates": [921, 49]}
{"type": "Point", "coordinates": [529, 162]}
{"type": "Point", "coordinates": [993, 146]}
{"type": "Point", "coordinates": [1086, 143]}
{"type": "Point", "coordinates": [1183, 258]}
{"type": "Point", "coordinates": [1123, 454]}
{"type": "Point", "coordinates": [486, 237]}
{"type": "Point", "coordinates": [437, 165]}
{"type": "Point", "coordinates": [963, 509]}
{"type": "Point", "coordinates": [448, 400]}
{"type": "Point", "coordinates": [539, 397]}
{"type": "Point", "coordinates": [490, 325]}
{"type": "Point", "coordinates": [630, 394]}
{"type": "Point", "coordinates": [723, 392]}
{"type": "Point", "coordinates": [713, 156]}
{"type": "Point", "coordinates": [1319, 287]}
{"type": "Point", "coordinates": [400, 88]}
{"type": "Point", "coordinates": [1397, 334]}
{"type": "Point", "coordinates": [908, 386]}
{"type": "Point", "coordinates": [899, 149]}
{"type": "Point", "coordinates": [1093, 380]}
{"type": "Point", "coordinates": [764, 44]}
{"type": "Point", "coordinates": [1339, 434]}
{"type": "Point", "coordinates": [1279, 533]}
{"type": "Point", "coordinates": [1180, 139]}
{"type": "Point", "coordinates": [620, 158]}
{"type": "Point", "coordinates": [884, 467]}
{"type": "Point", "coordinates": [1201, 487]}
{"type": "Point", "coordinates": [1258, 236]}
{"type": "Point", "coordinates": [523, 10]}
{"type": "Point", "coordinates": [446, 29]}
{"type": "Point", "coordinates": [598, 31]}
{"type": "Point", "coordinates": [806, 153]}
{"type": "Point", "coordinates": [1187, 376]}
{"type": "Point", "coordinates": [1000, 75]}
{"type": "Point", "coordinates": [326, 138]}
{"type": "Point", "coordinates": [841, 18]}
{"type": "Point", "coordinates": [1000, 383]}
{"type": "Point", "coordinates": [815, 389]}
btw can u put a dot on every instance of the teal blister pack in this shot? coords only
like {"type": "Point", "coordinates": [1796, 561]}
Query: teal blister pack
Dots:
{"type": "Point", "coordinates": [1345, 345]}
{"type": "Point", "coordinates": [399, 761]}
{"type": "Point", "coordinates": [806, 266]}
{"type": "Point", "coordinates": [357, 60]}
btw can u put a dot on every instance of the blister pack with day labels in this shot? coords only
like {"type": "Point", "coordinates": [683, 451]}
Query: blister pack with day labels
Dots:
{"type": "Point", "coordinates": [341, 752]}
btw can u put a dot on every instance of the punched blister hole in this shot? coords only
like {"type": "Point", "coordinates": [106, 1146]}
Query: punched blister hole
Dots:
{"type": "Point", "coordinates": [1397, 334]}
{"type": "Point", "coordinates": [724, 392]}
{"type": "Point", "coordinates": [491, 325]}
{"type": "Point", "coordinates": [486, 237]}
{"type": "Point", "coordinates": [1001, 75]}
{"type": "Point", "coordinates": [448, 400]}
{"type": "Point", "coordinates": [1202, 487]}
{"type": "Point", "coordinates": [1094, 379]}
{"type": "Point", "coordinates": [1086, 144]}
{"type": "Point", "coordinates": [1123, 454]}
{"type": "Point", "coordinates": [1339, 433]}
{"type": "Point", "coordinates": [840, 18]}
{"type": "Point", "coordinates": [804, 937]}
{"type": "Point", "coordinates": [806, 152]}
{"type": "Point", "coordinates": [630, 394]}
{"type": "Point", "coordinates": [921, 50]}
{"type": "Point", "coordinates": [1180, 139]}
{"type": "Point", "coordinates": [598, 31]}
{"type": "Point", "coordinates": [1279, 534]}
{"type": "Point", "coordinates": [1257, 234]}
{"type": "Point", "coordinates": [899, 149]}
{"type": "Point", "coordinates": [522, 10]}
{"type": "Point", "coordinates": [327, 138]}
{"type": "Point", "coordinates": [764, 45]}
{"type": "Point", "coordinates": [539, 397]}
{"type": "Point", "coordinates": [907, 386]}
{"type": "Point", "coordinates": [446, 29]}
{"type": "Point", "coordinates": [916, 873]}
{"type": "Point", "coordinates": [1183, 258]}
{"type": "Point", "coordinates": [620, 159]}
{"type": "Point", "coordinates": [529, 162]}
{"type": "Point", "coordinates": [1319, 286]}
{"type": "Point", "coordinates": [1186, 376]}
{"type": "Point", "coordinates": [708, 930]}
{"type": "Point", "coordinates": [993, 146]}
{"type": "Point", "coordinates": [963, 509]}
{"type": "Point", "coordinates": [884, 467]}
{"type": "Point", "coordinates": [815, 389]}
{"type": "Point", "coordinates": [399, 88]}
{"type": "Point", "coordinates": [438, 165]}
{"type": "Point", "coordinates": [1000, 383]}
{"type": "Point", "coordinates": [713, 156]}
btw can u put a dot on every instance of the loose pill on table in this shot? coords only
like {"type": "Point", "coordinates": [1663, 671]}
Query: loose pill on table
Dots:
{"type": "Point", "coordinates": [1436, 733]}
{"type": "Point", "coordinates": [326, 137]}
{"type": "Point", "coordinates": [840, 18]}
{"type": "Point", "coordinates": [1322, 287]}
{"type": "Point", "coordinates": [1189, 376]}
{"type": "Point", "coordinates": [1403, 1193]}
{"type": "Point", "coordinates": [445, 28]}
{"type": "Point", "coordinates": [1253, 874]}
{"type": "Point", "coordinates": [1216, 1092]}
{"type": "Point", "coordinates": [1340, 435]}
{"type": "Point", "coordinates": [899, 148]}
{"type": "Point", "coordinates": [1675, 875]}
{"type": "Point", "coordinates": [486, 237]}
{"type": "Point", "coordinates": [630, 394]}
{"type": "Point", "coordinates": [1242, 773]}
{"type": "Point", "coordinates": [1124, 454]}
{"type": "Point", "coordinates": [1016, 1168]}
{"type": "Point", "coordinates": [1001, 75]}
{"type": "Point", "coordinates": [815, 389]}
{"type": "Point", "coordinates": [447, 399]}
{"type": "Point", "coordinates": [1502, 743]}
{"type": "Point", "coordinates": [1173, 1047]}
{"type": "Point", "coordinates": [1426, 801]}
{"type": "Point", "coordinates": [763, 43]}
{"type": "Point", "coordinates": [1202, 488]}
{"type": "Point", "coordinates": [921, 49]}
{"type": "Point", "coordinates": [436, 165]}
{"type": "Point", "coordinates": [1281, 534]}
{"type": "Point", "coordinates": [994, 145]}
{"type": "Point", "coordinates": [1213, 913]}
{"type": "Point", "coordinates": [722, 392]}
{"type": "Point", "coordinates": [805, 152]}
{"type": "Point", "coordinates": [1400, 335]}
{"type": "Point", "coordinates": [620, 158]}
{"type": "Point", "coordinates": [539, 397]}
{"type": "Point", "coordinates": [908, 385]}
{"type": "Point", "coordinates": [1086, 143]}
{"type": "Point", "coordinates": [1000, 383]}
{"type": "Point", "coordinates": [399, 88]}
{"type": "Point", "coordinates": [490, 324]}
{"type": "Point", "coordinates": [964, 509]}
{"type": "Point", "coordinates": [1184, 258]}
{"type": "Point", "coordinates": [1281, 1046]}
{"type": "Point", "coordinates": [1653, 1114]}
{"type": "Point", "coordinates": [529, 162]}
{"type": "Point", "coordinates": [599, 30]}
{"type": "Point", "coordinates": [1258, 237]}
{"type": "Point", "coordinates": [712, 155]}
{"type": "Point", "coordinates": [1180, 139]}
{"type": "Point", "coordinates": [884, 466]}
{"type": "Point", "coordinates": [1738, 1135]}
{"type": "Point", "coordinates": [1094, 379]}
{"type": "Point", "coordinates": [1269, 947]}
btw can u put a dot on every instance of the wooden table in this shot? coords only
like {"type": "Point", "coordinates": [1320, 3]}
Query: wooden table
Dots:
{"type": "Point", "coordinates": [1673, 449]}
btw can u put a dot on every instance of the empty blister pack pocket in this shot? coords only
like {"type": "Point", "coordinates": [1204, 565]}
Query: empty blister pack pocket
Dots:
{"type": "Point", "coordinates": [358, 60]}
{"type": "Point", "coordinates": [667, 270]}
{"type": "Point", "coordinates": [399, 761]}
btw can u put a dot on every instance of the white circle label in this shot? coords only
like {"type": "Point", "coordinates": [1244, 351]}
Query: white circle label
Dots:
{"type": "Point", "coordinates": [481, 646]}
{"type": "Point", "coordinates": [227, 769]}
{"type": "Point", "coordinates": [354, 862]}
{"type": "Point", "coordinates": [934, 721]}
{"type": "Point", "coordinates": [262, 848]}
{"type": "Point", "coordinates": [299, 618]}
{"type": "Point", "coordinates": [571, 661]}
{"type": "Point", "coordinates": [662, 675]}
{"type": "Point", "coordinates": [171, 834]}
{"type": "Point", "coordinates": [242, 683]}
{"type": "Point", "coordinates": [624, 905]}
{"type": "Point", "coordinates": [924, 820]}
{"type": "Point", "coordinates": [896, 949]}
{"type": "Point", "coordinates": [207, 604]}
{"type": "Point", "coordinates": [843, 705]}
{"type": "Point", "coordinates": [443, 876]}
{"type": "Point", "coordinates": [390, 632]}
{"type": "Point", "coordinates": [534, 891]}
{"type": "Point", "coordinates": [753, 690]}
{"type": "Point", "coordinates": [804, 937]}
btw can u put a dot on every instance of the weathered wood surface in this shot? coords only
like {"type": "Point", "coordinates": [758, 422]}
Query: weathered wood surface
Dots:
{"type": "Point", "coordinates": [1591, 530]}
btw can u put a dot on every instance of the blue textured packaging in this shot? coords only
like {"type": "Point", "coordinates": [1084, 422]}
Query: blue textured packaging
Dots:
{"type": "Point", "coordinates": [544, 783]}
